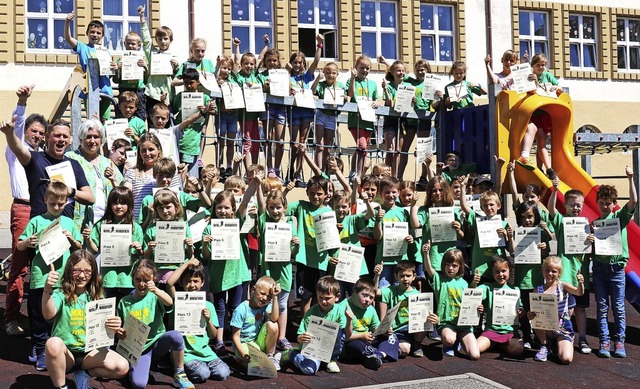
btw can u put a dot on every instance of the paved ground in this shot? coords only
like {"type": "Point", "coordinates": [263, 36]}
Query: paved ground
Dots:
{"type": "Point", "coordinates": [586, 370]}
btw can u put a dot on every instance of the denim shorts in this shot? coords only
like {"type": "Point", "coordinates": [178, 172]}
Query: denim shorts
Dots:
{"type": "Point", "coordinates": [227, 123]}
{"type": "Point", "coordinates": [329, 122]}
{"type": "Point", "coordinates": [277, 113]}
{"type": "Point", "coordinates": [302, 119]}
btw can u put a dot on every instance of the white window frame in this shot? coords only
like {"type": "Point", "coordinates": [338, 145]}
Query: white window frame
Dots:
{"type": "Point", "coordinates": [581, 42]}
{"type": "Point", "coordinates": [379, 30]}
{"type": "Point", "coordinates": [532, 38]}
{"type": "Point", "coordinates": [436, 33]}
{"type": "Point", "coordinates": [317, 26]}
{"type": "Point", "coordinates": [253, 24]}
{"type": "Point", "coordinates": [125, 19]}
{"type": "Point", "coordinates": [627, 44]}
{"type": "Point", "coordinates": [50, 18]}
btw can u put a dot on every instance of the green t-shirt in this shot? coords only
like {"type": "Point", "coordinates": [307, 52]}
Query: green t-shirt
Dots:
{"type": "Point", "coordinates": [448, 294]}
{"type": "Point", "coordinates": [528, 276]}
{"type": "Point", "coordinates": [241, 79]}
{"type": "Point", "coordinates": [226, 274]}
{"type": "Point", "coordinates": [139, 127]}
{"type": "Point", "coordinates": [480, 257]}
{"type": "Point", "coordinates": [437, 248]}
{"type": "Point", "coordinates": [203, 67]}
{"type": "Point", "coordinates": [40, 270]}
{"type": "Point", "coordinates": [625, 217]}
{"type": "Point", "coordinates": [466, 89]}
{"type": "Point", "coordinates": [336, 314]}
{"type": "Point", "coordinates": [571, 263]}
{"type": "Point", "coordinates": [487, 303]}
{"type": "Point", "coordinates": [150, 236]}
{"type": "Point", "coordinates": [365, 320]}
{"type": "Point", "coordinates": [395, 214]}
{"type": "Point", "coordinates": [159, 84]}
{"type": "Point", "coordinates": [365, 88]}
{"type": "Point", "coordinates": [196, 347]}
{"type": "Point", "coordinates": [129, 84]}
{"type": "Point", "coordinates": [188, 203]}
{"type": "Point", "coordinates": [308, 254]}
{"type": "Point", "coordinates": [323, 88]}
{"type": "Point", "coordinates": [394, 295]}
{"type": "Point", "coordinates": [190, 141]}
{"type": "Point", "coordinates": [547, 78]}
{"type": "Point", "coordinates": [69, 323]}
{"type": "Point", "coordinates": [118, 277]}
{"type": "Point", "coordinates": [462, 170]}
{"type": "Point", "coordinates": [351, 225]}
{"type": "Point", "coordinates": [281, 272]}
{"type": "Point", "coordinates": [148, 309]}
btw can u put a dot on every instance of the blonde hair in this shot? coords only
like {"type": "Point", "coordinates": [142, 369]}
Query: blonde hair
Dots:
{"type": "Point", "coordinates": [553, 262]}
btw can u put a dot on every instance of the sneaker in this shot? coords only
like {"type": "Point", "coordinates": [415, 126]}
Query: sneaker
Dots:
{"type": "Point", "coordinates": [41, 364]}
{"type": "Point", "coordinates": [33, 356]}
{"type": "Point", "coordinates": [583, 347]}
{"type": "Point", "coordinates": [372, 362]}
{"type": "Point", "coordinates": [82, 378]}
{"type": "Point", "coordinates": [551, 174]}
{"type": "Point", "coordinates": [416, 350]}
{"type": "Point", "coordinates": [332, 367]}
{"type": "Point", "coordinates": [525, 163]}
{"type": "Point", "coordinates": [299, 181]}
{"type": "Point", "coordinates": [219, 348]}
{"type": "Point", "coordinates": [527, 345]}
{"type": "Point", "coordinates": [434, 335]}
{"type": "Point", "coordinates": [542, 354]}
{"type": "Point", "coordinates": [604, 352]}
{"type": "Point", "coordinates": [181, 381]}
{"type": "Point", "coordinates": [271, 173]}
{"type": "Point", "coordinates": [448, 351]}
{"type": "Point", "coordinates": [276, 360]}
{"type": "Point", "coordinates": [283, 344]}
{"type": "Point", "coordinates": [15, 328]}
{"type": "Point", "coordinates": [619, 352]}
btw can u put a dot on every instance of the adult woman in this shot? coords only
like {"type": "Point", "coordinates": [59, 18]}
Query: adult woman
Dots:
{"type": "Point", "coordinates": [101, 173]}
{"type": "Point", "coordinates": [140, 178]}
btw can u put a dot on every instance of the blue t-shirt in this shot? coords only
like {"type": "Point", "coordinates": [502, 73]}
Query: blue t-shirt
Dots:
{"type": "Point", "coordinates": [84, 53]}
{"type": "Point", "coordinates": [249, 320]}
{"type": "Point", "coordinates": [301, 81]}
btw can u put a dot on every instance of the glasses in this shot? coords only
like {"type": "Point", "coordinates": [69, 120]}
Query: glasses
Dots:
{"type": "Point", "coordinates": [85, 272]}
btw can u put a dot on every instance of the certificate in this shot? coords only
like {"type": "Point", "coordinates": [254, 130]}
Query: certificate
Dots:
{"type": "Point", "coordinates": [520, 75]}
{"type": "Point", "coordinates": [469, 315]}
{"type": "Point", "coordinates": [131, 347]}
{"type": "Point", "coordinates": [277, 242]}
{"type": "Point", "coordinates": [526, 241]}
{"type": "Point", "coordinates": [170, 241]}
{"type": "Point", "coordinates": [96, 314]}
{"type": "Point", "coordinates": [190, 103]}
{"type": "Point", "coordinates": [576, 231]}
{"type": "Point", "coordinates": [130, 69]}
{"type": "Point", "coordinates": [167, 141]}
{"type": "Point", "coordinates": [420, 306]}
{"type": "Point", "coordinates": [279, 82]}
{"type": "Point", "coordinates": [546, 308]}
{"type": "Point", "coordinates": [505, 306]}
{"type": "Point", "coordinates": [188, 318]}
{"type": "Point", "coordinates": [361, 206]}
{"type": "Point", "coordinates": [337, 185]}
{"type": "Point", "coordinates": [63, 172]}
{"type": "Point", "coordinates": [197, 223]}
{"type": "Point", "coordinates": [488, 232]}
{"type": "Point", "coordinates": [209, 83]}
{"type": "Point", "coordinates": [232, 96]}
{"type": "Point", "coordinates": [226, 243]}
{"type": "Point", "coordinates": [253, 97]}
{"type": "Point", "coordinates": [387, 321]}
{"type": "Point", "coordinates": [333, 96]}
{"type": "Point", "coordinates": [424, 148]}
{"type": "Point", "coordinates": [404, 98]}
{"type": "Point", "coordinates": [440, 219]}
{"type": "Point", "coordinates": [349, 263]}
{"type": "Point", "coordinates": [304, 98]}
{"type": "Point", "coordinates": [457, 92]}
{"type": "Point", "coordinates": [249, 224]}
{"type": "Point", "coordinates": [161, 64]}
{"type": "Point", "coordinates": [608, 236]}
{"type": "Point", "coordinates": [259, 364]}
{"type": "Point", "coordinates": [132, 157]}
{"type": "Point", "coordinates": [327, 234]}
{"type": "Point", "coordinates": [324, 334]}
{"type": "Point", "coordinates": [394, 235]}
{"type": "Point", "coordinates": [115, 240]}
{"type": "Point", "coordinates": [52, 243]}
{"type": "Point", "coordinates": [104, 59]}
{"type": "Point", "coordinates": [115, 130]}
{"type": "Point", "coordinates": [367, 113]}
{"type": "Point", "coordinates": [432, 84]}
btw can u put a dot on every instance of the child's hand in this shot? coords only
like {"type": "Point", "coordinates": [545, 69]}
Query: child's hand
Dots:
{"type": "Point", "coordinates": [52, 278]}
{"type": "Point", "coordinates": [305, 338]}
{"type": "Point", "coordinates": [378, 269]}
{"type": "Point", "coordinates": [531, 315]}
{"type": "Point", "coordinates": [525, 57]}
{"type": "Point", "coordinates": [384, 85]}
{"type": "Point", "coordinates": [426, 248]}
{"type": "Point", "coordinates": [368, 337]}
{"type": "Point", "coordinates": [354, 72]}
{"type": "Point", "coordinates": [333, 260]}
{"type": "Point", "coordinates": [487, 59]}
{"type": "Point", "coordinates": [521, 312]}
{"type": "Point", "coordinates": [440, 167]}
{"type": "Point", "coordinates": [252, 211]}
{"type": "Point", "coordinates": [237, 158]}
{"type": "Point", "coordinates": [188, 242]}
{"type": "Point", "coordinates": [555, 182]}
{"type": "Point", "coordinates": [121, 333]}
{"type": "Point", "coordinates": [542, 246]}
{"type": "Point", "coordinates": [499, 160]}
{"type": "Point", "coordinates": [439, 94]}
{"type": "Point", "coordinates": [381, 214]}
{"type": "Point", "coordinates": [591, 238]}
{"type": "Point", "coordinates": [409, 239]}
{"type": "Point", "coordinates": [174, 63]}
{"type": "Point", "coordinates": [236, 41]}
{"type": "Point", "coordinates": [333, 165]}
{"type": "Point", "coordinates": [86, 232]}
{"type": "Point", "coordinates": [628, 171]}
{"type": "Point", "coordinates": [32, 241]}
{"type": "Point", "coordinates": [319, 39]}
{"type": "Point", "coordinates": [151, 286]}
{"type": "Point", "coordinates": [128, 132]}
{"type": "Point", "coordinates": [141, 11]}
{"type": "Point", "coordinates": [295, 241]}
{"type": "Point", "coordinates": [380, 59]}
{"type": "Point", "coordinates": [375, 105]}
{"type": "Point", "coordinates": [291, 185]}
{"type": "Point", "coordinates": [275, 290]}
{"type": "Point", "coordinates": [113, 323]}
{"type": "Point", "coordinates": [414, 199]}
{"type": "Point", "coordinates": [580, 277]}
{"type": "Point", "coordinates": [476, 277]}
{"type": "Point", "coordinates": [433, 318]}
{"type": "Point", "coordinates": [511, 166]}
{"type": "Point", "coordinates": [265, 39]}
{"type": "Point", "coordinates": [141, 63]}
{"type": "Point", "coordinates": [136, 246]}
{"type": "Point", "coordinates": [456, 225]}
{"type": "Point", "coordinates": [480, 309]}
{"type": "Point", "coordinates": [109, 172]}
{"type": "Point", "coordinates": [206, 314]}
{"type": "Point", "coordinates": [207, 239]}
{"type": "Point", "coordinates": [193, 261]}
{"type": "Point", "coordinates": [70, 16]}
{"type": "Point", "coordinates": [349, 314]}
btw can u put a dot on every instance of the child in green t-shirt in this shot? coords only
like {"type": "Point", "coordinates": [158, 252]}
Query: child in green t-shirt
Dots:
{"type": "Point", "coordinates": [128, 103]}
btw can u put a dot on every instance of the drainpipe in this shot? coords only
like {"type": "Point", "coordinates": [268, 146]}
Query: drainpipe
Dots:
{"type": "Point", "coordinates": [493, 149]}
{"type": "Point", "coordinates": [192, 29]}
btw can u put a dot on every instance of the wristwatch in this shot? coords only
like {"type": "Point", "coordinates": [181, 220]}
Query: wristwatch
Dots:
{"type": "Point", "coordinates": [73, 193]}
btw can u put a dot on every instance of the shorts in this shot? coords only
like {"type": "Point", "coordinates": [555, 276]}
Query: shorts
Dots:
{"type": "Point", "coordinates": [283, 301]}
{"type": "Point", "coordinates": [260, 343]}
{"type": "Point", "coordinates": [422, 126]}
{"type": "Point", "coordinates": [251, 137]}
{"type": "Point", "coordinates": [403, 334]}
{"type": "Point", "coordinates": [297, 121]}
{"type": "Point", "coordinates": [565, 332]}
{"type": "Point", "coordinates": [581, 301]}
{"type": "Point", "coordinates": [78, 358]}
{"type": "Point", "coordinates": [455, 328]}
{"type": "Point", "coordinates": [329, 122]}
{"type": "Point", "coordinates": [227, 124]}
{"type": "Point", "coordinates": [542, 120]}
{"type": "Point", "coordinates": [306, 279]}
{"type": "Point", "coordinates": [277, 113]}
{"type": "Point", "coordinates": [498, 338]}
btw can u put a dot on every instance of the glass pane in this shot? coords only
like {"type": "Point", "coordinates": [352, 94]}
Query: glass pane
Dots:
{"type": "Point", "coordinates": [426, 17]}
{"type": "Point", "coordinates": [388, 15]}
{"type": "Point", "coordinates": [622, 58]}
{"type": "Point", "coordinates": [112, 7]}
{"type": "Point", "coordinates": [305, 11]}
{"type": "Point", "coordinates": [573, 26]}
{"type": "Point", "coordinates": [259, 34]}
{"type": "Point", "coordinates": [541, 47]}
{"type": "Point", "coordinates": [574, 51]}
{"type": "Point", "coordinates": [240, 10]}
{"type": "Point", "coordinates": [243, 34]}
{"type": "Point", "coordinates": [113, 36]}
{"type": "Point", "coordinates": [369, 44]}
{"type": "Point", "coordinates": [328, 12]}
{"type": "Point", "coordinates": [135, 27]}
{"type": "Point", "coordinates": [540, 24]}
{"type": "Point", "coordinates": [525, 27]}
{"type": "Point", "coordinates": [58, 35]}
{"type": "Point", "coordinates": [634, 30]}
{"type": "Point", "coordinates": [388, 43]}
{"type": "Point", "coordinates": [428, 51]}
{"type": "Point", "coordinates": [620, 29]}
{"type": "Point", "coordinates": [445, 18]}
{"type": "Point", "coordinates": [589, 52]}
{"type": "Point", "coordinates": [37, 29]}
{"type": "Point", "coordinates": [37, 6]}
{"type": "Point", "coordinates": [446, 49]}
{"type": "Point", "coordinates": [63, 6]}
{"type": "Point", "coordinates": [588, 24]}
{"type": "Point", "coordinates": [368, 11]}
{"type": "Point", "coordinates": [525, 47]}
{"type": "Point", "coordinates": [634, 58]}
{"type": "Point", "coordinates": [133, 7]}
{"type": "Point", "coordinates": [262, 9]}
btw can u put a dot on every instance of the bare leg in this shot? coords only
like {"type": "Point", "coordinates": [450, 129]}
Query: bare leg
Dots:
{"type": "Point", "coordinates": [543, 155]}
{"type": "Point", "coordinates": [282, 324]}
{"type": "Point", "coordinates": [391, 141]}
{"type": "Point", "coordinates": [278, 136]}
{"type": "Point", "coordinates": [484, 344]}
{"type": "Point", "coordinates": [329, 136]}
{"type": "Point", "coordinates": [304, 131]}
{"type": "Point", "coordinates": [527, 141]}
{"type": "Point", "coordinates": [57, 358]}
{"type": "Point", "coordinates": [470, 345]}
{"type": "Point", "coordinates": [320, 142]}
{"type": "Point", "coordinates": [272, 336]}
{"type": "Point", "coordinates": [305, 304]}
{"type": "Point", "coordinates": [565, 351]}
{"type": "Point", "coordinates": [105, 363]}
{"type": "Point", "coordinates": [405, 144]}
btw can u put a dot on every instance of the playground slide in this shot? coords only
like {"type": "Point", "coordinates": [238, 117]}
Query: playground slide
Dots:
{"type": "Point", "coordinates": [513, 113]}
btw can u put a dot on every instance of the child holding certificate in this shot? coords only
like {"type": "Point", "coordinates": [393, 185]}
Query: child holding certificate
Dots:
{"type": "Point", "coordinates": [552, 270]}
{"type": "Point", "coordinates": [499, 323]}
{"type": "Point", "coordinates": [227, 118]}
{"type": "Point", "coordinates": [65, 307]}
{"type": "Point", "coordinates": [128, 103]}
{"type": "Point", "coordinates": [200, 362]}
{"type": "Point", "coordinates": [148, 303]}
{"type": "Point", "coordinates": [459, 93]}
{"type": "Point", "coordinates": [116, 279]}
{"type": "Point", "coordinates": [368, 184]}
{"type": "Point", "coordinates": [35, 236]}
{"type": "Point", "coordinates": [197, 62]}
{"type": "Point", "coordinates": [448, 287]}
{"type": "Point", "coordinates": [393, 78]}
{"type": "Point", "coordinates": [132, 45]}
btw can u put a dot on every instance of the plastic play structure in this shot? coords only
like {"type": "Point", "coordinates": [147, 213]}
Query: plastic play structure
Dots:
{"type": "Point", "coordinates": [513, 113]}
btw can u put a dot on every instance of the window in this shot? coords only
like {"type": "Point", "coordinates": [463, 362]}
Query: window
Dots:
{"type": "Point", "coordinates": [120, 17]}
{"type": "Point", "coordinates": [534, 33]}
{"type": "Point", "coordinates": [317, 17]}
{"type": "Point", "coordinates": [436, 30]}
{"type": "Point", "coordinates": [628, 38]}
{"type": "Point", "coordinates": [250, 21]}
{"type": "Point", "coordinates": [582, 41]}
{"type": "Point", "coordinates": [45, 24]}
{"type": "Point", "coordinates": [379, 28]}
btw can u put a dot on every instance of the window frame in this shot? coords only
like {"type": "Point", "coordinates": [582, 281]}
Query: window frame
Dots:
{"type": "Point", "coordinates": [581, 42]}
{"type": "Point", "coordinates": [51, 17]}
{"type": "Point", "coordinates": [317, 26]}
{"type": "Point", "coordinates": [627, 44]}
{"type": "Point", "coordinates": [532, 38]}
{"type": "Point", "coordinates": [252, 24]}
{"type": "Point", "coordinates": [378, 29]}
{"type": "Point", "coordinates": [125, 20]}
{"type": "Point", "coordinates": [437, 33]}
